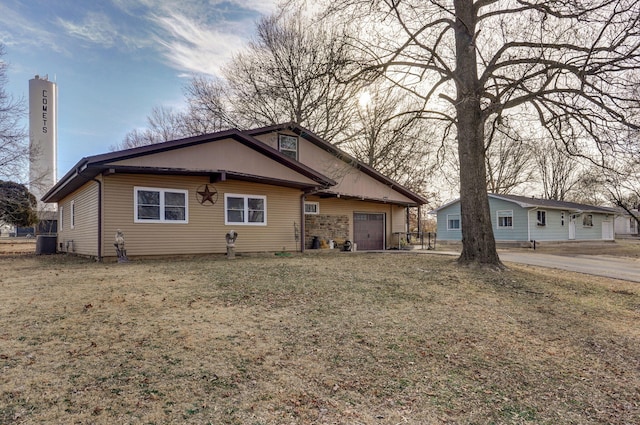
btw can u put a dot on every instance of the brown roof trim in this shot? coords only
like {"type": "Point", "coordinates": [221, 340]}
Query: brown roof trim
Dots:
{"type": "Point", "coordinates": [330, 194]}
{"type": "Point", "coordinates": [342, 155]}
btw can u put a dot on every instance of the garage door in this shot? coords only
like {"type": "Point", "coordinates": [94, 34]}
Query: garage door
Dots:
{"type": "Point", "coordinates": [607, 230]}
{"type": "Point", "coordinates": [368, 231]}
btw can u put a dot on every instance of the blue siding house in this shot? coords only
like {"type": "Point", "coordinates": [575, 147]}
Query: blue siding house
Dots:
{"type": "Point", "coordinates": [522, 219]}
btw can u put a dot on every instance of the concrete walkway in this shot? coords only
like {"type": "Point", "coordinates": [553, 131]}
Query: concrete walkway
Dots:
{"type": "Point", "coordinates": [613, 267]}
{"type": "Point", "coordinates": [623, 268]}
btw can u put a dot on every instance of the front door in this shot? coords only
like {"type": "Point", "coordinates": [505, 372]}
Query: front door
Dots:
{"type": "Point", "coordinates": [368, 231]}
{"type": "Point", "coordinates": [572, 227]}
{"type": "Point", "coordinates": [607, 230]}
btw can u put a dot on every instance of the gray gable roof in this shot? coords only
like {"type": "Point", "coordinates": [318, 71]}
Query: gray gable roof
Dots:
{"type": "Point", "coordinates": [526, 202]}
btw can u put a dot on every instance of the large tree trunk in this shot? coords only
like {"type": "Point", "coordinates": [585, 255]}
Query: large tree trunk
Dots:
{"type": "Point", "coordinates": [478, 242]}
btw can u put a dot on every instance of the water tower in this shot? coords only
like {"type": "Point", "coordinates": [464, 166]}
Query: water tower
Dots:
{"type": "Point", "coordinates": [43, 138]}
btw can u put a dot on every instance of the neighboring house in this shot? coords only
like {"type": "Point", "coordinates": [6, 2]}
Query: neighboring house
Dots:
{"type": "Point", "coordinates": [277, 187]}
{"type": "Point", "coordinates": [7, 229]}
{"type": "Point", "coordinates": [522, 219]}
{"type": "Point", "coordinates": [625, 224]}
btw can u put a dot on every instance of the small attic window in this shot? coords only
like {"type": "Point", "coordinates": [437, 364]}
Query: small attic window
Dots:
{"type": "Point", "coordinates": [288, 145]}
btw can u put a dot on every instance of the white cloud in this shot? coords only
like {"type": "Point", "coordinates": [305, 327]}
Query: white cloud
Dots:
{"type": "Point", "coordinates": [95, 28]}
{"type": "Point", "coordinates": [196, 48]}
{"type": "Point", "coordinates": [196, 8]}
{"type": "Point", "coordinates": [264, 7]}
{"type": "Point", "coordinates": [23, 31]}
{"type": "Point", "coordinates": [198, 36]}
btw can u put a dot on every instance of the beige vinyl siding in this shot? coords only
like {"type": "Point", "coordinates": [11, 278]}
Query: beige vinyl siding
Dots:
{"type": "Point", "coordinates": [83, 237]}
{"type": "Point", "coordinates": [395, 217]}
{"type": "Point", "coordinates": [226, 154]}
{"type": "Point", "coordinates": [351, 181]}
{"type": "Point", "coordinates": [271, 139]}
{"type": "Point", "coordinates": [205, 231]}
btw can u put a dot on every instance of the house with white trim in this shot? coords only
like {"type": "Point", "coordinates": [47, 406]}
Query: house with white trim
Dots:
{"type": "Point", "coordinates": [279, 187]}
{"type": "Point", "coordinates": [523, 219]}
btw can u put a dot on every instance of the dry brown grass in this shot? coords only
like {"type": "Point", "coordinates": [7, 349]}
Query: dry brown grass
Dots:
{"type": "Point", "coordinates": [316, 339]}
{"type": "Point", "coordinates": [10, 246]}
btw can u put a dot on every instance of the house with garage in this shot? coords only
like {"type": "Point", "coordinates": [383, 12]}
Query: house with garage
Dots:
{"type": "Point", "coordinates": [523, 219]}
{"type": "Point", "coordinates": [278, 187]}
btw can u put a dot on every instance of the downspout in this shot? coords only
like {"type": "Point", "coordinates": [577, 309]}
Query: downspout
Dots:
{"type": "Point", "coordinates": [303, 198]}
{"type": "Point", "coordinates": [99, 218]}
{"type": "Point", "coordinates": [408, 225]}
{"type": "Point", "coordinates": [529, 224]}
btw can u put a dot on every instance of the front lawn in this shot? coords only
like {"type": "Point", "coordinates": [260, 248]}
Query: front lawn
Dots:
{"type": "Point", "coordinates": [331, 338]}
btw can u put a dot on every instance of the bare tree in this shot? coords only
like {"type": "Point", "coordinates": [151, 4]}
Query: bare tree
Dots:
{"type": "Point", "coordinates": [509, 158]}
{"type": "Point", "coordinates": [558, 172]}
{"type": "Point", "coordinates": [389, 135]}
{"type": "Point", "coordinates": [208, 106]}
{"type": "Point", "coordinates": [623, 187]}
{"type": "Point", "coordinates": [163, 124]}
{"type": "Point", "coordinates": [14, 150]}
{"type": "Point", "coordinates": [293, 71]}
{"type": "Point", "coordinates": [290, 72]}
{"type": "Point", "coordinates": [567, 64]}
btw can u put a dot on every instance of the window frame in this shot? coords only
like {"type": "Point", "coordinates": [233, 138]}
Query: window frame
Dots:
{"type": "Point", "coordinates": [589, 222]}
{"type": "Point", "coordinates": [245, 211]}
{"type": "Point", "coordinates": [544, 218]}
{"type": "Point", "coordinates": [449, 219]}
{"type": "Point", "coordinates": [310, 203]}
{"type": "Point", "coordinates": [288, 152]}
{"type": "Point", "coordinates": [499, 216]}
{"type": "Point", "coordinates": [162, 205]}
{"type": "Point", "coordinates": [72, 218]}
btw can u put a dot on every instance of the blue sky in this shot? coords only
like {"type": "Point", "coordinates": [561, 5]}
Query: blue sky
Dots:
{"type": "Point", "coordinates": [114, 60]}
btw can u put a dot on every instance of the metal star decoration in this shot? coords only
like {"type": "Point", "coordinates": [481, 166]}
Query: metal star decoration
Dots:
{"type": "Point", "coordinates": [207, 195]}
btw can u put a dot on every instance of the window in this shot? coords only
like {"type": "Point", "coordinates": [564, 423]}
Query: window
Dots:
{"type": "Point", "coordinates": [245, 209]}
{"type": "Point", "coordinates": [505, 219]}
{"type": "Point", "coordinates": [453, 221]}
{"type": "Point", "coordinates": [311, 207]}
{"type": "Point", "coordinates": [288, 145]}
{"type": "Point", "coordinates": [73, 214]}
{"type": "Point", "coordinates": [542, 218]}
{"type": "Point", "coordinates": [632, 225]}
{"type": "Point", "coordinates": [562, 218]}
{"type": "Point", "coordinates": [587, 220]}
{"type": "Point", "coordinates": [160, 205]}
{"type": "Point", "coordinates": [61, 218]}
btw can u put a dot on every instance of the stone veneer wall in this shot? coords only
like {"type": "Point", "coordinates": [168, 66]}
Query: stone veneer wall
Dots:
{"type": "Point", "coordinates": [335, 227]}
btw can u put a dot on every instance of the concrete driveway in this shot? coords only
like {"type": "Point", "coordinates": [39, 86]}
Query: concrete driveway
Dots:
{"type": "Point", "coordinates": [598, 265]}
